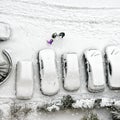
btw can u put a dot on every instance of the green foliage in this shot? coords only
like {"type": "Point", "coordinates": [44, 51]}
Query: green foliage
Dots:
{"type": "Point", "coordinates": [90, 116]}
{"type": "Point", "coordinates": [67, 102]}
{"type": "Point", "coordinates": [97, 103]}
{"type": "Point", "coordinates": [42, 109]}
{"type": "Point", "coordinates": [115, 112]}
{"type": "Point", "coordinates": [17, 111]}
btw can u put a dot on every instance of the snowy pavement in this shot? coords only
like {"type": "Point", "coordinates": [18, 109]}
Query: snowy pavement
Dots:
{"type": "Point", "coordinates": [86, 25]}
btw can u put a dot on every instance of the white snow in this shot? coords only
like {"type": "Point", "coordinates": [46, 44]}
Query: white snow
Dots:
{"type": "Point", "coordinates": [86, 24]}
{"type": "Point", "coordinates": [113, 59]}
{"type": "Point", "coordinates": [24, 80]}
{"type": "Point", "coordinates": [106, 102]}
{"type": "Point", "coordinates": [96, 79]}
{"type": "Point", "coordinates": [48, 72]}
{"type": "Point", "coordinates": [53, 107]}
{"type": "Point", "coordinates": [84, 103]}
{"type": "Point", "coordinates": [117, 103]}
{"type": "Point", "coordinates": [71, 72]}
{"type": "Point", "coordinates": [5, 109]}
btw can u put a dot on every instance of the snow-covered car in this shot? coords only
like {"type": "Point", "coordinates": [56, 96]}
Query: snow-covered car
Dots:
{"type": "Point", "coordinates": [94, 70]}
{"type": "Point", "coordinates": [5, 31]}
{"type": "Point", "coordinates": [48, 72]}
{"type": "Point", "coordinates": [112, 57]}
{"type": "Point", "coordinates": [24, 80]}
{"type": "Point", "coordinates": [70, 71]}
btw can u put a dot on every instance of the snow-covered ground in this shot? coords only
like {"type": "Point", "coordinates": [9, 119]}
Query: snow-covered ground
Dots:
{"type": "Point", "coordinates": [86, 24]}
